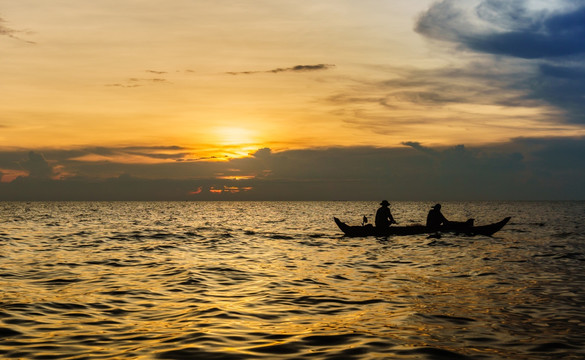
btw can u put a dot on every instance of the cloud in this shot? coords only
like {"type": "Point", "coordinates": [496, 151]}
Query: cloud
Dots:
{"type": "Point", "coordinates": [157, 72]}
{"type": "Point", "coordinates": [547, 43]}
{"type": "Point", "coordinates": [4, 30]}
{"type": "Point", "coordinates": [562, 85]}
{"type": "Point", "coordinates": [419, 147]}
{"type": "Point", "coordinates": [481, 98]}
{"type": "Point", "coordinates": [304, 68]}
{"type": "Point", "coordinates": [154, 152]}
{"type": "Point", "coordinates": [108, 162]}
{"type": "Point", "coordinates": [525, 169]}
{"type": "Point", "coordinates": [37, 166]}
{"type": "Point", "coordinates": [263, 153]}
{"type": "Point", "coordinates": [11, 33]}
{"type": "Point", "coordinates": [297, 68]}
{"type": "Point", "coordinates": [135, 82]}
{"type": "Point", "coordinates": [509, 28]}
{"type": "Point", "coordinates": [123, 85]}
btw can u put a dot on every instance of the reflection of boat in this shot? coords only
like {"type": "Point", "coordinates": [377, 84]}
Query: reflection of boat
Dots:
{"type": "Point", "coordinates": [466, 228]}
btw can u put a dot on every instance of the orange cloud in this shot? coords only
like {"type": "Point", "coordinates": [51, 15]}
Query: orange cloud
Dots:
{"type": "Point", "coordinates": [195, 192]}
{"type": "Point", "coordinates": [8, 175]}
{"type": "Point", "coordinates": [229, 189]}
{"type": "Point", "coordinates": [235, 177]}
{"type": "Point", "coordinates": [120, 159]}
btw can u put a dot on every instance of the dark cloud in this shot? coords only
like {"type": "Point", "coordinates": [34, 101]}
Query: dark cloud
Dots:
{"type": "Point", "coordinates": [304, 68]}
{"type": "Point", "coordinates": [526, 168]}
{"type": "Point", "coordinates": [297, 68]}
{"type": "Point", "coordinates": [514, 29]}
{"type": "Point", "coordinates": [548, 44]}
{"type": "Point", "coordinates": [263, 153]}
{"type": "Point", "coordinates": [419, 147]}
{"type": "Point", "coordinates": [37, 166]}
{"type": "Point", "coordinates": [556, 154]}
{"type": "Point", "coordinates": [563, 72]}
{"type": "Point", "coordinates": [562, 85]}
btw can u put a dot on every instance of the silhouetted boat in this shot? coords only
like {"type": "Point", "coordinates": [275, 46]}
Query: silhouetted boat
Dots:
{"type": "Point", "coordinates": [466, 228]}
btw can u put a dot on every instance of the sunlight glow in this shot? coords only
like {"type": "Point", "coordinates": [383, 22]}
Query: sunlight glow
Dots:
{"type": "Point", "coordinates": [236, 177]}
{"type": "Point", "coordinates": [120, 159]}
{"type": "Point", "coordinates": [233, 136]}
{"type": "Point", "coordinates": [229, 189]}
{"type": "Point", "coordinates": [229, 142]}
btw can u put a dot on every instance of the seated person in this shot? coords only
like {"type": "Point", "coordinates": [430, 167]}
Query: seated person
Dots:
{"type": "Point", "coordinates": [435, 218]}
{"type": "Point", "coordinates": [383, 216]}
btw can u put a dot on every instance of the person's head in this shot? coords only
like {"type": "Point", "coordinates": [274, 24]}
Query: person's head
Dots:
{"type": "Point", "coordinates": [437, 207]}
{"type": "Point", "coordinates": [384, 203]}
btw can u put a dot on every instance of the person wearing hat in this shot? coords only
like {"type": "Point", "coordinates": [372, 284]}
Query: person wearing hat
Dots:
{"type": "Point", "coordinates": [383, 216]}
{"type": "Point", "coordinates": [435, 218]}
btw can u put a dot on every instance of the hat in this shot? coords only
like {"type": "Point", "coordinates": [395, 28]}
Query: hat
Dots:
{"type": "Point", "coordinates": [438, 206]}
{"type": "Point", "coordinates": [384, 202]}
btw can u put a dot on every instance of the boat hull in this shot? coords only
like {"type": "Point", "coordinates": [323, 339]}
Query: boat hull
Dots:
{"type": "Point", "coordinates": [465, 228]}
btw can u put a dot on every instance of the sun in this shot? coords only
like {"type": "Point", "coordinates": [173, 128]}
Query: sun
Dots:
{"type": "Point", "coordinates": [230, 136]}
{"type": "Point", "coordinates": [234, 141]}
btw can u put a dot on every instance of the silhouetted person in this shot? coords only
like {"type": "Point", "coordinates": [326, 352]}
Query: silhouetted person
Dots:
{"type": "Point", "coordinates": [435, 218]}
{"type": "Point", "coordinates": [383, 216]}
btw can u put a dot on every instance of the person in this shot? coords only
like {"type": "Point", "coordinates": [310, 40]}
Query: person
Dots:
{"type": "Point", "coordinates": [435, 218]}
{"type": "Point", "coordinates": [383, 216]}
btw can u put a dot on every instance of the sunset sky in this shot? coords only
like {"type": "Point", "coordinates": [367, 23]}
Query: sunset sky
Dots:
{"type": "Point", "coordinates": [279, 99]}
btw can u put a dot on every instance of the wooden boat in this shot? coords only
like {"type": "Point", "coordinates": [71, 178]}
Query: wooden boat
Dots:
{"type": "Point", "coordinates": [466, 228]}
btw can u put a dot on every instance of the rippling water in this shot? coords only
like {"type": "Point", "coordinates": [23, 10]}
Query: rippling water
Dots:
{"type": "Point", "coordinates": [269, 280]}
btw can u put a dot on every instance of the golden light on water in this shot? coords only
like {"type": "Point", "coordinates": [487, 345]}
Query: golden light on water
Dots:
{"type": "Point", "coordinates": [265, 280]}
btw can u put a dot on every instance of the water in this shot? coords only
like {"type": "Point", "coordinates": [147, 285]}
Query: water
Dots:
{"type": "Point", "coordinates": [269, 280]}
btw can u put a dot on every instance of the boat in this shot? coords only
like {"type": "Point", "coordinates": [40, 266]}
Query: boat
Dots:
{"type": "Point", "coordinates": [465, 228]}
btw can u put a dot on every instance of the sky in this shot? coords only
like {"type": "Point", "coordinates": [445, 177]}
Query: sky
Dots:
{"type": "Point", "coordinates": [286, 100]}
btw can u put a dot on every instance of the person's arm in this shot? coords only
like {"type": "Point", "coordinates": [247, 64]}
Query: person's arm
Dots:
{"type": "Point", "coordinates": [444, 219]}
